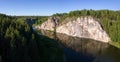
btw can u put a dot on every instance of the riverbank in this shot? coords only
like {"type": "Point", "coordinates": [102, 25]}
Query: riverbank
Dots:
{"type": "Point", "coordinates": [116, 44]}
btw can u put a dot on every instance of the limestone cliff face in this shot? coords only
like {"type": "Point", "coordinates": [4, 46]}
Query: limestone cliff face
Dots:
{"type": "Point", "coordinates": [83, 27]}
{"type": "Point", "coordinates": [50, 24]}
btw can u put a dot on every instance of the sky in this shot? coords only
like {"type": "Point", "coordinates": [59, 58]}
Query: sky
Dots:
{"type": "Point", "coordinates": [49, 7]}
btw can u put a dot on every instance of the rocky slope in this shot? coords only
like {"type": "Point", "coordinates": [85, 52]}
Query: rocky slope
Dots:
{"type": "Point", "coordinates": [83, 27]}
{"type": "Point", "coordinates": [50, 24]}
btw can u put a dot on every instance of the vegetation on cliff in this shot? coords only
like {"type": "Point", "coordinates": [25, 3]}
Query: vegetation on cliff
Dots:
{"type": "Point", "coordinates": [109, 19]}
{"type": "Point", "coordinates": [20, 43]}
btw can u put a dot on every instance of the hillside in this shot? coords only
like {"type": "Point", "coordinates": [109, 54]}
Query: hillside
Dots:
{"type": "Point", "coordinates": [109, 19]}
{"type": "Point", "coordinates": [20, 43]}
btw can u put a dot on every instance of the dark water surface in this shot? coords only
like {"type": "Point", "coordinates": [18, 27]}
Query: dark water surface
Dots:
{"type": "Point", "coordinates": [84, 50]}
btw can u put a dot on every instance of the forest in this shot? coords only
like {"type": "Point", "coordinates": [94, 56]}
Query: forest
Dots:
{"type": "Point", "coordinates": [20, 43]}
{"type": "Point", "coordinates": [109, 19]}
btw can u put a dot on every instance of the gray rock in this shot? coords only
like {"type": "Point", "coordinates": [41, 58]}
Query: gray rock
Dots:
{"type": "Point", "coordinates": [83, 27]}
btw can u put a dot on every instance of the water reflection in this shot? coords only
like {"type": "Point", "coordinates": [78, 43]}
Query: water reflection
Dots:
{"type": "Point", "coordinates": [84, 50]}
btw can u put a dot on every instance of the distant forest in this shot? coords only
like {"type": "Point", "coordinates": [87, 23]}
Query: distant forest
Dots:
{"type": "Point", "coordinates": [20, 43]}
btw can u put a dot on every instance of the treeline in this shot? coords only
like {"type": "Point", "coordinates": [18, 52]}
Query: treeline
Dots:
{"type": "Point", "coordinates": [36, 19]}
{"type": "Point", "coordinates": [20, 43]}
{"type": "Point", "coordinates": [109, 19]}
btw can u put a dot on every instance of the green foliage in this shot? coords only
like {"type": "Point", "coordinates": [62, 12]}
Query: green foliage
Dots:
{"type": "Point", "coordinates": [41, 20]}
{"type": "Point", "coordinates": [109, 19]}
{"type": "Point", "coordinates": [37, 19]}
{"type": "Point", "coordinates": [61, 15]}
{"type": "Point", "coordinates": [19, 43]}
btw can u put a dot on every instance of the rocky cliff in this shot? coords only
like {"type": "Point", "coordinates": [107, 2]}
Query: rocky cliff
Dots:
{"type": "Point", "coordinates": [50, 24]}
{"type": "Point", "coordinates": [83, 27]}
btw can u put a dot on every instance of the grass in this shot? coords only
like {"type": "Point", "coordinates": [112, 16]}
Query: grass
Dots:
{"type": "Point", "coordinates": [116, 44]}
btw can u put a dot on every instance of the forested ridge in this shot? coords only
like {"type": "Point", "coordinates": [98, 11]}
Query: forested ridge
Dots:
{"type": "Point", "coordinates": [20, 43]}
{"type": "Point", "coordinates": [110, 20]}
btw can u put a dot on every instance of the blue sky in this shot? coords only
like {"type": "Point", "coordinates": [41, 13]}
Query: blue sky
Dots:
{"type": "Point", "coordinates": [49, 7]}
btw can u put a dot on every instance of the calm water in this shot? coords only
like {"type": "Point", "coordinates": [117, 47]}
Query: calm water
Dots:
{"type": "Point", "coordinates": [84, 50]}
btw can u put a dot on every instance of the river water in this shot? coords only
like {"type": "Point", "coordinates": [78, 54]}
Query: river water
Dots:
{"type": "Point", "coordinates": [84, 50]}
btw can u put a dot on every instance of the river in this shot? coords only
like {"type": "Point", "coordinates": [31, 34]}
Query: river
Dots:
{"type": "Point", "coordinates": [84, 50]}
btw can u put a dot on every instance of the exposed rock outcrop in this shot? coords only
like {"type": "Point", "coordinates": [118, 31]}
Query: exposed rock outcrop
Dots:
{"type": "Point", "coordinates": [50, 24]}
{"type": "Point", "coordinates": [83, 27]}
